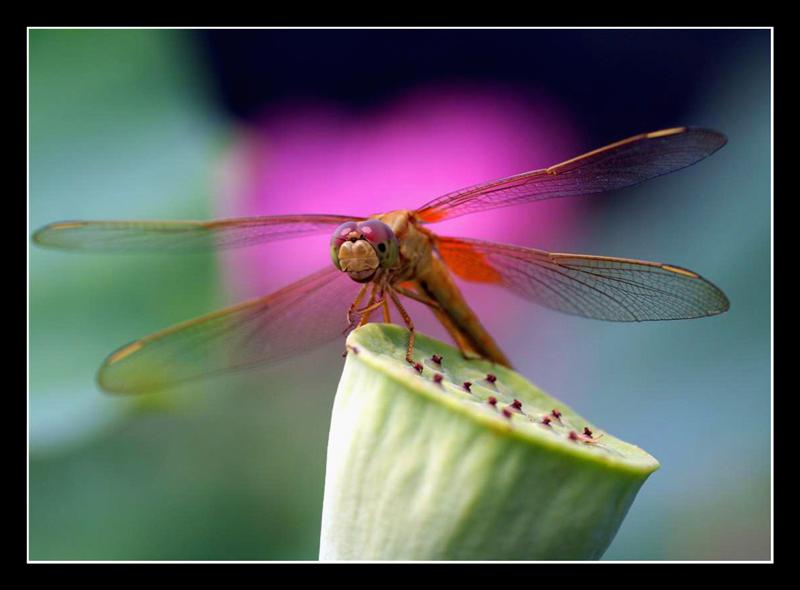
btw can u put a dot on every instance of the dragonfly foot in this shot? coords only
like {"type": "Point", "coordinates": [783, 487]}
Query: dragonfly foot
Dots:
{"type": "Point", "coordinates": [471, 356]}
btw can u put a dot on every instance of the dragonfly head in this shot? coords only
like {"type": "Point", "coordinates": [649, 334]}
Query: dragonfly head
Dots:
{"type": "Point", "coordinates": [361, 248]}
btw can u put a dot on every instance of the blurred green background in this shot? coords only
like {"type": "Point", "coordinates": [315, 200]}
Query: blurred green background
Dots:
{"type": "Point", "coordinates": [121, 126]}
{"type": "Point", "coordinates": [132, 124]}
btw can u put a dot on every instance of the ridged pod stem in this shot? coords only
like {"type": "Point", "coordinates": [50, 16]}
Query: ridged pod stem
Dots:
{"type": "Point", "coordinates": [473, 464]}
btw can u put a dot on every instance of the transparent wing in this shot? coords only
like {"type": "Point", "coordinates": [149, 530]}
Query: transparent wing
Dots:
{"type": "Point", "coordinates": [297, 318]}
{"type": "Point", "coordinates": [181, 236]}
{"type": "Point", "coordinates": [599, 287]}
{"type": "Point", "coordinates": [618, 165]}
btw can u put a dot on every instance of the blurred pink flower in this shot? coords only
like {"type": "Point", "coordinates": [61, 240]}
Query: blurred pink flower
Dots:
{"type": "Point", "coordinates": [323, 159]}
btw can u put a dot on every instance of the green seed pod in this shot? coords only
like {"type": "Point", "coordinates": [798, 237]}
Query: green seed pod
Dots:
{"type": "Point", "coordinates": [464, 460]}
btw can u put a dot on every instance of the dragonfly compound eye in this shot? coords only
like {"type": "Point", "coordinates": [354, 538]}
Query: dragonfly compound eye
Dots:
{"type": "Point", "coordinates": [382, 239]}
{"type": "Point", "coordinates": [339, 237]}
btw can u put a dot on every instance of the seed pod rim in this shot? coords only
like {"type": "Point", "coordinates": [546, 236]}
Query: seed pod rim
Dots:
{"type": "Point", "coordinates": [636, 462]}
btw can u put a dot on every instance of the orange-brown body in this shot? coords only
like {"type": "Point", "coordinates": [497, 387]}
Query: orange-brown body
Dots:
{"type": "Point", "coordinates": [420, 266]}
{"type": "Point", "coordinates": [394, 254]}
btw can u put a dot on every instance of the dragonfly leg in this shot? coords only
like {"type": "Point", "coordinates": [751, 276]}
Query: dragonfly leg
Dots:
{"type": "Point", "coordinates": [380, 302]}
{"type": "Point", "coordinates": [409, 324]}
{"type": "Point", "coordinates": [467, 351]}
{"type": "Point", "coordinates": [367, 311]}
{"type": "Point", "coordinates": [387, 318]}
{"type": "Point", "coordinates": [417, 297]}
{"type": "Point", "coordinates": [355, 303]}
{"type": "Point", "coordinates": [370, 308]}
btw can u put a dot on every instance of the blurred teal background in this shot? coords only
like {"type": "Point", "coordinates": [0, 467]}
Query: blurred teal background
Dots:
{"type": "Point", "coordinates": [141, 124]}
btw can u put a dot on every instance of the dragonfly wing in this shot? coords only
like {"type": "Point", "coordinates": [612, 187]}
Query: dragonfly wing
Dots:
{"type": "Point", "coordinates": [299, 317]}
{"type": "Point", "coordinates": [181, 236]}
{"type": "Point", "coordinates": [599, 287]}
{"type": "Point", "coordinates": [618, 165]}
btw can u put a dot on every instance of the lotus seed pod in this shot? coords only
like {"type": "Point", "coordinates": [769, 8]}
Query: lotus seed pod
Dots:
{"type": "Point", "coordinates": [421, 468]}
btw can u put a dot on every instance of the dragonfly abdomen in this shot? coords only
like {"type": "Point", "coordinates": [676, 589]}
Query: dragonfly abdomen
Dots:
{"type": "Point", "coordinates": [455, 314]}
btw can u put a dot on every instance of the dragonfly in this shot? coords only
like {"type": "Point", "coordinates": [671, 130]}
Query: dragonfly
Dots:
{"type": "Point", "coordinates": [381, 260]}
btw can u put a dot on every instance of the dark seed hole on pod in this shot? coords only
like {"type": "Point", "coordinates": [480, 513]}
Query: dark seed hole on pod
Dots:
{"type": "Point", "coordinates": [467, 386]}
{"type": "Point", "coordinates": [437, 359]}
